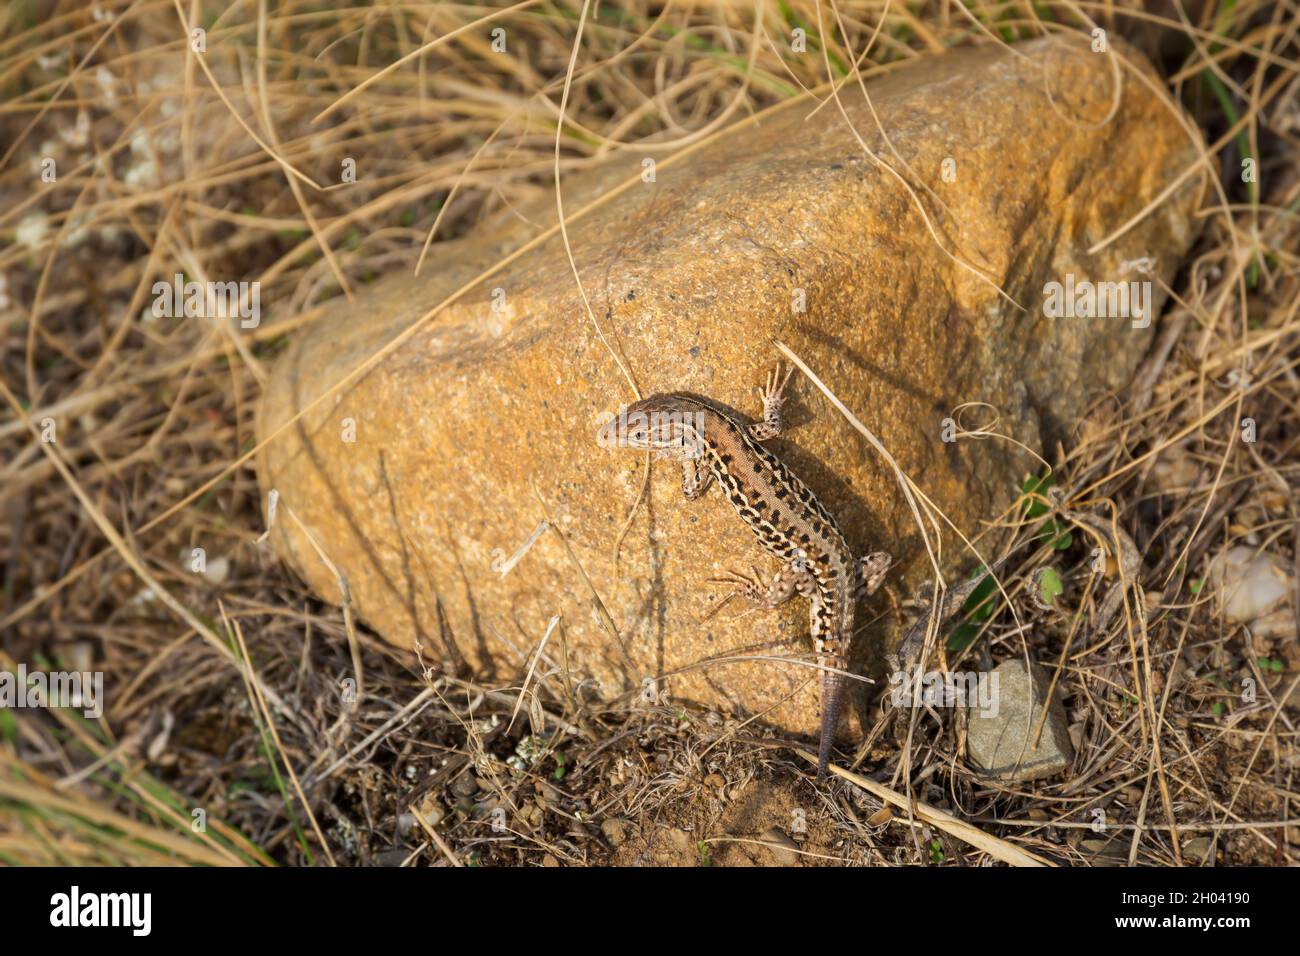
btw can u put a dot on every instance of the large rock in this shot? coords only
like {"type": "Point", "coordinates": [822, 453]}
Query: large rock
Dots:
{"type": "Point", "coordinates": [691, 276]}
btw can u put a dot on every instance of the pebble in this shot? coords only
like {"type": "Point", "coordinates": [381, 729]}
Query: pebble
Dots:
{"type": "Point", "coordinates": [464, 786]}
{"type": "Point", "coordinates": [615, 830]}
{"type": "Point", "coordinates": [783, 849]}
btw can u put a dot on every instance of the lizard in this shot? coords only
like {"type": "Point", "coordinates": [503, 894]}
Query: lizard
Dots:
{"type": "Point", "coordinates": [781, 511]}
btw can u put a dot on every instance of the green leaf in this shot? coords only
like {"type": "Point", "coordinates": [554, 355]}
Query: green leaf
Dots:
{"type": "Point", "coordinates": [979, 607]}
{"type": "Point", "coordinates": [1050, 586]}
{"type": "Point", "coordinates": [1063, 536]}
{"type": "Point", "coordinates": [1033, 489]}
{"type": "Point", "coordinates": [962, 636]}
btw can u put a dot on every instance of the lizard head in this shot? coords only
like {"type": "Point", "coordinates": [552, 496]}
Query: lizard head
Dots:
{"type": "Point", "coordinates": [664, 423]}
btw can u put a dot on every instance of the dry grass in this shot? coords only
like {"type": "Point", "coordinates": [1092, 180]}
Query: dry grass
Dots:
{"type": "Point", "coordinates": [221, 694]}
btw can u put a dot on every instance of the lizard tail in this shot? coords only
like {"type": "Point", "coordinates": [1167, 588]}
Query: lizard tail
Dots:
{"type": "Point", "coordinates": [832, 701]}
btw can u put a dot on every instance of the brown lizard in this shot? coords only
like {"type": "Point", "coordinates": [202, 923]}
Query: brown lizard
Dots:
{"type": "Point", "coordinates": [784, 515]}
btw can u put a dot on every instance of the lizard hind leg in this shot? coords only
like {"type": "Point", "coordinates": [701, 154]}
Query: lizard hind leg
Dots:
{"type": "Point", "coordinates": [788, 582]}
{"type": "Point", "coordinates": [871, 571]}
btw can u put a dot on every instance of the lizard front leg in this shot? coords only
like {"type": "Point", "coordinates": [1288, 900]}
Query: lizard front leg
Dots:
{"type": "Point", "coordinates": [696, 477]}
{"type": "Point", "coordinates": [773, 393]}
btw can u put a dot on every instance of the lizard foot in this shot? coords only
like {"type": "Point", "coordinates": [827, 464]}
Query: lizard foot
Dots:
{"type": "Point", "coordinates": [773, 395]}
{"type": "Point", "coordinates": [749, 586]}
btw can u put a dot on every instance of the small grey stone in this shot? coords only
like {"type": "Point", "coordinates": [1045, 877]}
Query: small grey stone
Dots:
{"type": "Point", "coordinates": [464, 786]}
{"type": "Point", "coordinates": [783, 849]}
{"type": "Point", "coordinates": [999, 737]}
{"type": "Point", "coordinates": [394, 857]}
{"type": "Point", "coordinates": [615, 830]}
{"type": "Point", "coordinates": [1112, 851]}
{"type": "Point", "coordinates": [680, 840]}
{"type": "Point", "coordinates": [1197, 850]}
{"type": "Point", "coordinates": [579, 831]}
{"type": "Point", "coordinates": [533, 814]}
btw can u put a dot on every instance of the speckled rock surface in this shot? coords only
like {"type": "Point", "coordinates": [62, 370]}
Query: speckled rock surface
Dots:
{"type": "Point", "coordinates": [692, 276]}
